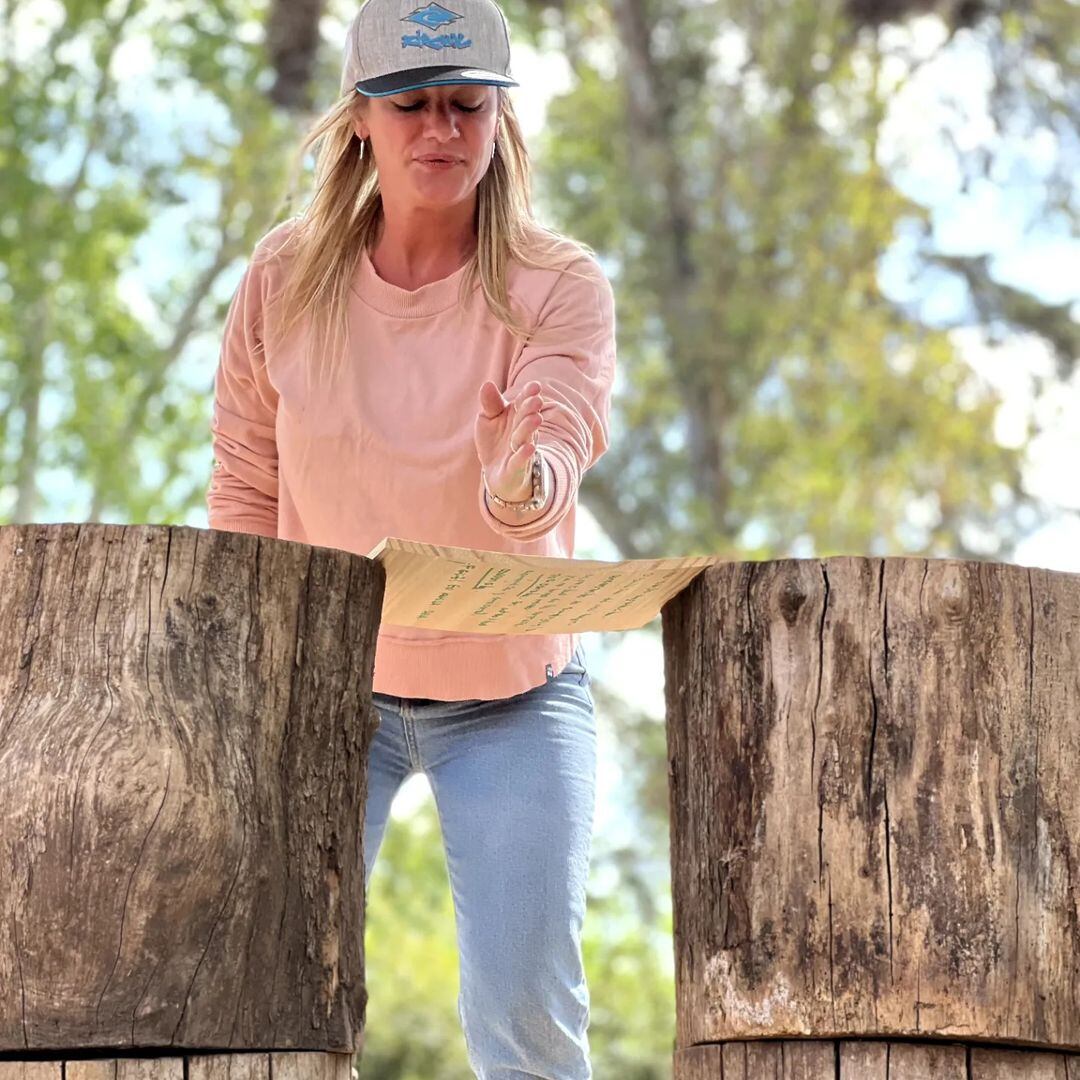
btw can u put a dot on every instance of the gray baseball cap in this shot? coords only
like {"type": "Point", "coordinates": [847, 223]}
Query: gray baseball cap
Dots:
{"type": "Point", "coordinates": [393, 46]}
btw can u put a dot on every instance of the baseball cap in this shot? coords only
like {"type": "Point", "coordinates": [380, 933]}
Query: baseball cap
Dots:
{"type": "Point", "coordinates": [393, 46]}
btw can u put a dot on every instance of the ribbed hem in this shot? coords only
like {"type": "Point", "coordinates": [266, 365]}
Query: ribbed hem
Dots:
{"type": "Point", "coordinates": [468, 668]}
{"type": "Point", "coordinates": [400, 303]}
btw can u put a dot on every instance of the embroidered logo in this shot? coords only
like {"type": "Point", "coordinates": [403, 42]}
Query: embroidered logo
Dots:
{"type": "Point", "coordinates": [443, 41]}
{"type": "Point", "coordinates": [432, 17]}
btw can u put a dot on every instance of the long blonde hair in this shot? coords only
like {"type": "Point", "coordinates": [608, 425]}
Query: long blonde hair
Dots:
{"type": "Point", "coordinates": [344, 216]}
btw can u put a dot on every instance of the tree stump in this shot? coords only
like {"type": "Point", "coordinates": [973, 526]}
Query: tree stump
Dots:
{"type": "Point", "coordinates": [250, 1066]}
{"type": "Point", "coordinates": [185, 718]}
{"type": "Point", "coordinates": [874, 830]}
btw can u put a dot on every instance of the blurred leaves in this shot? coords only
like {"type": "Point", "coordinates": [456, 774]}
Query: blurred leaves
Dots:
{"type": "Point", "coordinates": [745, 214]}
{"type": "Point", "coordinates": [92, 172]}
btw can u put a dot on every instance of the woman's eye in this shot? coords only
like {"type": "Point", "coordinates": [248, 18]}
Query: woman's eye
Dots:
{"type": "Point", "coordinates": [420, 105]}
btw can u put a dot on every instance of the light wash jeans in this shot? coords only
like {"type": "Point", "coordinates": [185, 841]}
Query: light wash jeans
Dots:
{"type": "Point", "coordinates": [514, 782]}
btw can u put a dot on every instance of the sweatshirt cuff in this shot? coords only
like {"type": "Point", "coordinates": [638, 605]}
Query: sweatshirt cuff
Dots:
{"type": "Point", "coordinates": [563, 485]}
{"type": "Point", "coordinates": [255, 526]}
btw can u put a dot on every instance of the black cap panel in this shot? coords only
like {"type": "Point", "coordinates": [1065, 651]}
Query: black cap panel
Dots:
{"type": "Point", "coordinates": [420, 78]}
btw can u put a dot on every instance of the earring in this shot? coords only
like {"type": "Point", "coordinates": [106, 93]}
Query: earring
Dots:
{"type": "Point", "coordinates": [362, 141]}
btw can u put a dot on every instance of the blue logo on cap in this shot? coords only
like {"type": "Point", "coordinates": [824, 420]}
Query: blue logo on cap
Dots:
{"type": "Point", "coordinates": [432, 17]}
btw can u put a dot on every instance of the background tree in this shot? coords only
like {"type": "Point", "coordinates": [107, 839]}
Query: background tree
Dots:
{"type": "Point", "coordinates": [95, 397]}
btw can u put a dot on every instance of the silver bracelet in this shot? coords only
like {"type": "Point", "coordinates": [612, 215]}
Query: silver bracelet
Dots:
{"type": "Point", "coordinates": [539, 488]}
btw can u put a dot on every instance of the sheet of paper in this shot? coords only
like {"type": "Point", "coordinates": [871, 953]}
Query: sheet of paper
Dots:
{"type": "Point", "coordinates": [496, 592]}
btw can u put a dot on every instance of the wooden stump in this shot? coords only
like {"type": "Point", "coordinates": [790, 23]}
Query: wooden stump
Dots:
{"type": "Point", "coordinates": [813, 1059]}
{"type": "Point", "coordinates": [874, 821]}
{"type": "Point", "coordinates": [185, 716]}
{"type": "Point", "coordinates": [252, 1066]}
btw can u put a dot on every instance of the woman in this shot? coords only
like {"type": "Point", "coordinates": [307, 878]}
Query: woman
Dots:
{"type": "Point", "coordinates": [415, 356]}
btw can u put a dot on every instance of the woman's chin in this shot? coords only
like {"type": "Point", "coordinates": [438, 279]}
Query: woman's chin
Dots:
{"type": "Point", "coordinates": [435, 194]}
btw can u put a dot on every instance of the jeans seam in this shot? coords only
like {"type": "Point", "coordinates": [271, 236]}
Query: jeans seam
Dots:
{"type": "Point", "coordinates": [410, 735]}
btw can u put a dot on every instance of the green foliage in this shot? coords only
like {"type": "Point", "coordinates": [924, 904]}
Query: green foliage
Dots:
{"type": "Point", "coordinates": [781, 401]}
{"type": "Point", "coordinates": [412, 1032]}
{"type": "Point", "coordinates": [90, 354]}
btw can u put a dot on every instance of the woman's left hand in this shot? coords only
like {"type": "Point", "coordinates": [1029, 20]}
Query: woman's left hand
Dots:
{"type": "Point", "coordinates": [505, 434]}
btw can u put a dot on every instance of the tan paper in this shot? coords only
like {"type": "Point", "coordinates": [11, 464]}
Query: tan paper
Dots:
{"type": "Point", "coordinates": [496, 592]}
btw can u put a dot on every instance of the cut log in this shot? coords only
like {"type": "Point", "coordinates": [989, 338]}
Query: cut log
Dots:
{"type": "Point", "coordinates": [857, 1059]}
{"type": "Point", "coordinates": [249, 1066]}
{"type": "Point", "coordinates": [185, 717]}
{"type": "Point", "coordinates": [874, 829]}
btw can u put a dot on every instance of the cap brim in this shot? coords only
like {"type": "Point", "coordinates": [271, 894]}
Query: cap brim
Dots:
{"type": "Point", "coordinates": [421, 78]}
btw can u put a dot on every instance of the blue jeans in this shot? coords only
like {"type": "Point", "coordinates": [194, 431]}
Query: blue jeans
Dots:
{"type": "Point", "coordinates": [514, 782]}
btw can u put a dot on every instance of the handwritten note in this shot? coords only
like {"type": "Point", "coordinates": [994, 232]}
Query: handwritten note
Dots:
{"type": "Point", "coordinates": [497, 592]}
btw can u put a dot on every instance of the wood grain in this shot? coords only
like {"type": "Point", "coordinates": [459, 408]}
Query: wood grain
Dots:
{"type": "Point", "coordinates": [872, 768]}
{"type": "Point", "coordinates": [30, 1070]}
{"type": "Point", "coordinates": [184, 723]}
{"type": "Point", "coordinates": [288, 1065]}
{"type": "Point", "coordinates": [867, 1059]}
{"type": "Point", "coordinates": [233, 1066]}
{"type": "Point", "coordinates": [993, 1064]}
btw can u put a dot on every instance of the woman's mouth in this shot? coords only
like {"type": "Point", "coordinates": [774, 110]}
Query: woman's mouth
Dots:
{"type": "Point", "coordinates": [438, 162]}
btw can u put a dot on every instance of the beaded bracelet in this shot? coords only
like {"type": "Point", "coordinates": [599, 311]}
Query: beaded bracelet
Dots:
{"type": "Point", "coordinates": [539, 488]}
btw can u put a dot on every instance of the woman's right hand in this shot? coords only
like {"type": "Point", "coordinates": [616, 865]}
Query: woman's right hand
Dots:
{"type": "Point", "coordinates": [505, 434]}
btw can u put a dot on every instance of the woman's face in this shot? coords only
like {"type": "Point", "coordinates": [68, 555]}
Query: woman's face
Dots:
{"type": "Point", "coordinates": [407, 130]}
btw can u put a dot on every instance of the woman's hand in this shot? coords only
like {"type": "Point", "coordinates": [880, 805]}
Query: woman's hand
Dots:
{"type": "Point", "coordinates": [505, 434]}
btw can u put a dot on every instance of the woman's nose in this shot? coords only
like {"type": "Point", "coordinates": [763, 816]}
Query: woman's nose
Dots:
{"type": "Point", "coordinates": [442, 122]}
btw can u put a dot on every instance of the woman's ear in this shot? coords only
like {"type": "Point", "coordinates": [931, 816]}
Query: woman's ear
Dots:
{"type": "Point", "coordinates": [358, 124]}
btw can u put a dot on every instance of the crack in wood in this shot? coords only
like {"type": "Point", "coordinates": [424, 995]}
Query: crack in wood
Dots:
{"type": "Point", "coordinates": [821, 668]}
{"type": "Point", "coordinates": [821, 839]}
{"type": "Point", "coordinates": [127, 892]}
{"type": "Point", "coordinates": [165, 569]}
{"type": "Point", "coordinates": [832, 988]}
{"type": "Point", "coordinates": [22, 982]}
{"type": "Point", "coordinates": [873, 735]}
{"type": "Point", "coordinates": [75, 559]}
{"type": "Point", "coordinates": [1032, 719]}
{"type": "Point", "coordinates": [888, 874]}
{"type": "Point", "coordinates": [142, 998]}
{"type": "Point", "coordinates": [214, 926]}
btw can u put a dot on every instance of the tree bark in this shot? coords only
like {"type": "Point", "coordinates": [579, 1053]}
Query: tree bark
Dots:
{"type": "Point", "coordinates": [874, 825]}
{"type": "Point", "coordinates": [292, 41]}
{"type": "Point", "coordinates": [184, 723]}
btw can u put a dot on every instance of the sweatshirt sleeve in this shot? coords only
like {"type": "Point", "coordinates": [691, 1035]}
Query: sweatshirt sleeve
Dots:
{"type": "Point", "coordinates": [574, 362]}
{"type": "Point", "coordinates": [243, 492]}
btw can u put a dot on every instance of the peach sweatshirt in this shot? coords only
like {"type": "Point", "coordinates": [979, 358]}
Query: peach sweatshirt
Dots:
{"type": "Point", "coordinates": [388, 449]}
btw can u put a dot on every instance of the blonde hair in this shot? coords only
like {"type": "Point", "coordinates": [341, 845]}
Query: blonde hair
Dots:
{"type": "Point", "coordinates": [344, 217]}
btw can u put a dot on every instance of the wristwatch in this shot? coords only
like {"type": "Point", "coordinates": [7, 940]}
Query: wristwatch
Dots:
{"type": "Point", "coordinates": [539, 487]}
